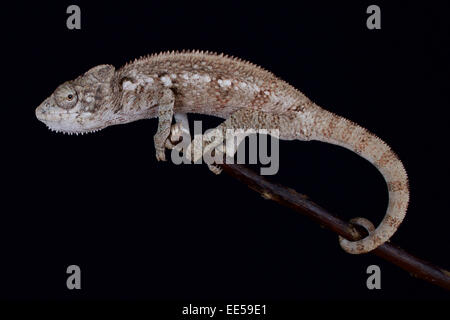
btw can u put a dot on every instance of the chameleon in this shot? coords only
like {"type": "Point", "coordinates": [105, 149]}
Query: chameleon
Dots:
{"type": "Point", "coordinates": [169, 85]}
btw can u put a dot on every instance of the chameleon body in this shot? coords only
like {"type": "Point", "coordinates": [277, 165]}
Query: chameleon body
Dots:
{"type": "Point", "coordinates": [246, 96]}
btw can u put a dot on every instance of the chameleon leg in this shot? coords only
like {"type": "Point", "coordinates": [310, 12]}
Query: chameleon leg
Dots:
{"type": "Point", "coordinates": [251, 121]}
{"type": "Point", "coordinates": [165, 114]}
{"type": "Point", "coordinates": [178, 131]}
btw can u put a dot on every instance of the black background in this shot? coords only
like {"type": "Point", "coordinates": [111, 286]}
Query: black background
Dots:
{"type": "Point", "coordinates": [145, 230]}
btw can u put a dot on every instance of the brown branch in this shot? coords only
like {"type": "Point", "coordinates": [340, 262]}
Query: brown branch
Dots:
{"type": "Point", "coordinates": [300, 203]}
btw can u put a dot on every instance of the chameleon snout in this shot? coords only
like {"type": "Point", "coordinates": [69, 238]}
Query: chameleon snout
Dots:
{"type": "Point", "coordinates": [43, 110]}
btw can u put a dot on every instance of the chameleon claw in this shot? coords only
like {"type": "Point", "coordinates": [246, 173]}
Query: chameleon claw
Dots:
{"type": "Point", "coordinates": [215, 169]}
{"type": "Point", "coordinates": [169, 145]}
{"type": "Point", "coordinates": [176, 133]}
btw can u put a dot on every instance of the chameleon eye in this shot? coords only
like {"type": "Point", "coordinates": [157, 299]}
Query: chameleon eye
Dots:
{"type": "Point", "coordinates": [65, 96]}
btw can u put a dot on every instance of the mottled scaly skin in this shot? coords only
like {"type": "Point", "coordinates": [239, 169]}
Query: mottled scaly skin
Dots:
{"type": "Point", "coordinates": [245, 95]}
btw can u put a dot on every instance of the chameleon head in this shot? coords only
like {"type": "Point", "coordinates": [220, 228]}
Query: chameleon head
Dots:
{"type": "Point", "coordinates": [81, 105]}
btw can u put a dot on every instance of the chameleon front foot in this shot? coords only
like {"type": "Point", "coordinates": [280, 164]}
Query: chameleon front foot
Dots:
{"type": "Point", "coordinates": [173, 139]}
{"type": "Point", "coordinates": [177, 134]}
{"type": "Point", "coordinates": [160, 153]}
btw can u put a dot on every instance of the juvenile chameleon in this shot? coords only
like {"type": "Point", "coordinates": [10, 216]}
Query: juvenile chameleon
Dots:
{"type": "Point", "coordinates": [172, 84]}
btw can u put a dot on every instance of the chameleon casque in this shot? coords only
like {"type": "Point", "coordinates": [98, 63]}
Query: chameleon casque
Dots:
{"type": "Point", "coordinates": [172, 84]}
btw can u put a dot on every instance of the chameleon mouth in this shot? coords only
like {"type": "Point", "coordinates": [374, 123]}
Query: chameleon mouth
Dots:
{"type": "Point", "coordinates": [72, 128]}
{"type": "Point", "coordinates": [73, 132]}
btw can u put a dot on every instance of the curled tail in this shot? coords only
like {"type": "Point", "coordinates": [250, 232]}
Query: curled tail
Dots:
{"type": "Point", "coordinates": [331, 128]}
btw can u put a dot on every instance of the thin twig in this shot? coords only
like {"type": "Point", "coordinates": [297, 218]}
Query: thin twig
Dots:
{"type": "Point", "coordinates": [300, 203]}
